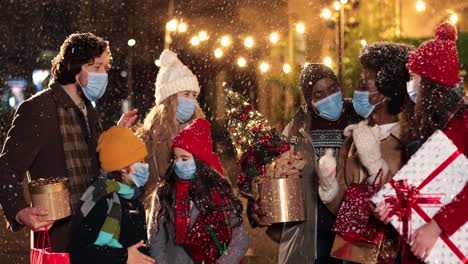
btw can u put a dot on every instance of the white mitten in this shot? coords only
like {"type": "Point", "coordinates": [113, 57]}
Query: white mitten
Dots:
{"type": "Point", "coordinates": [327, 176]}
{"type": "Point", "coordinates": [368, 147]}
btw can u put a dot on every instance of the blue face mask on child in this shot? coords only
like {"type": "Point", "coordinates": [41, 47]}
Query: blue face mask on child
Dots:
{"type": "Point", "coordinates": [185, 109]}
{"type": "Point", "coordinates": [185, 170]}
{"type": "Point", "coordinates": [330, 107]}
{"type": "Point", "coordinates": [140, 177]}
{"type": "Point", "coordinates": [96, 87]}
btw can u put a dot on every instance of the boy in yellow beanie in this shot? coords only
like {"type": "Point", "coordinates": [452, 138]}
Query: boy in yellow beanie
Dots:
{"type": "Point", "coordinates": [113, 225]}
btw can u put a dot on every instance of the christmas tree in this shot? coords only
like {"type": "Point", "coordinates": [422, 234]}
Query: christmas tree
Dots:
{"type": "Point", "coordinates": [255, 141]}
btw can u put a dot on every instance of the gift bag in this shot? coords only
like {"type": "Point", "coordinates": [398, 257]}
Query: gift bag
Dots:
{"type": "Point", "coordinates": [43, 253]}
{"type": "Point", "coordinates": [356, 252]}
{"type": "Point", "coordinates": [354, 221]}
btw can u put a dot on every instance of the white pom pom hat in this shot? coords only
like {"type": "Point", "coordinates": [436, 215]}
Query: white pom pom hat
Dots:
{"type": "Point", "coordinates": [173, 77]}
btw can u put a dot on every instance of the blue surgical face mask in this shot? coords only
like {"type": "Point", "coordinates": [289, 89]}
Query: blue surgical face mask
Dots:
{"type": "Point", "coordinates": [361, 103]}
{"type": "Point", "coordinates": [140, 177]}
{"type": "Point", "coordinates": [185, 109]}
{"type": "Point", "coordinates": [185, 170]}
{"type": "Point", "coordinates": [330, 107]}
{"type": "Point", "coordinates": [96, 87]}
{"type": "Point", "coordinates": [412, 89]}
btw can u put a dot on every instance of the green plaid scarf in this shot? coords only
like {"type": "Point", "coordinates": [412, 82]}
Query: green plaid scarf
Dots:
{"type": "Point", "coordinates": [110, 230]}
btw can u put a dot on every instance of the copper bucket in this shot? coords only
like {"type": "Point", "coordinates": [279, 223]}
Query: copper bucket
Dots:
{"type": "Point", "coordinates": [51, 194]}
{"type": "Point", "coordinates": [282, 200]}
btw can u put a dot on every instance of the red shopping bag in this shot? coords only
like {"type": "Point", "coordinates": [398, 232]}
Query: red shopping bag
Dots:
{"type": "Point", "coordinates": [43, 253]}
{"type": "Point", "coordinates": [353, 221]}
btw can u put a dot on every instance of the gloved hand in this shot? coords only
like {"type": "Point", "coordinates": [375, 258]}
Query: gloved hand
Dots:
{"type": "Point", "coordinates": [367, 141]}
{"type": "Point", "coordinates": [328, 185]}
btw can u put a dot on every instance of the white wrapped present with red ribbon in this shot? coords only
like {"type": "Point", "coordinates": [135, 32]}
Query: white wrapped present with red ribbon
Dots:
{"type": "Point", "coordinates": [433, 176]}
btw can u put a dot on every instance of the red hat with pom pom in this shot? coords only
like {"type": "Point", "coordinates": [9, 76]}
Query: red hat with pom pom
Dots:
{"type": "Point", "coordinates": [437, 59]}
{"type": "Point", "coordinates": [196, 139]}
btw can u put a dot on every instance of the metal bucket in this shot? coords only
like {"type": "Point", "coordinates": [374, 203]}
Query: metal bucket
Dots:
{"type": "Point", "coordinates": [282, 200]}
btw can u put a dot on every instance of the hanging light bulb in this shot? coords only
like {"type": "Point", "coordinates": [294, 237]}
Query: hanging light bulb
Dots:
{"type": "Point", "coordinates": [249, 42]}
{"type": "Point", "coordinates": [420, 6]}
{"type": "Point", "coordinates": [327, 61]}
{"type": "Point", "coordinates": [286, 68]}
{"type": "Point", "coordinates": [274, 37]}
{"type": "Point", "coordinates": [264, 67]}
{"type": "Point", "coordinates": [218, 53]}
{"type": "Point", "coordinates": [172, 25]}
{"type": "Point", "coordinates": [241, 62]}
{"type": "Point", "coordinates": [300, 28]}
{"type": "Point", "coordinates": [326, 13]}
{"type": "Point", "coordinates": [195, 41]}
{"type": "Point", "coordinates": [203, 35]}
{"type": "Point", "coordinates": [182, 27]}
{"type": "Point", "coordinates": [225, 41]}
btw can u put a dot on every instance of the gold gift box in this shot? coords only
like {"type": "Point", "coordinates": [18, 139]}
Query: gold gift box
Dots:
{"type": "Point", "coordinates": [51, 194]}
{"type": "Point", "coordinates": [282, 200]}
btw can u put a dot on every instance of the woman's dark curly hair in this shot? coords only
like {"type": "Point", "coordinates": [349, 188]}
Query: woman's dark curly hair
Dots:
{"type": "Point", "coordinates": [431, 108]}
{"type": "Point", "coordinates": [389, 61]}
{"type": "Point", "coordinates": [78, 49]}
{"type": "Point", "coordinates": [206, 181]}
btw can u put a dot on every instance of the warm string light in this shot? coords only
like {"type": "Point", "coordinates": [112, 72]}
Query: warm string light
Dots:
{"type": "Point", "coordinates": [249, 42]}
{"type": "Point", "coordinates": [326, 13]}
{"type": "Point", "coordinates": [172, 25]}
{"type": "Point", "coordinates": [453, 19]}
{"type": "Point", "coordinates": [175, 25]}
{"type": "Point", "coordinates": [327, 61]}
{"type": "Point", "coordinates": [420, 6]}
{"type": "Point", "coordinates": [274, 37]}
{"type": "Point", "coordinates": [300, 28]}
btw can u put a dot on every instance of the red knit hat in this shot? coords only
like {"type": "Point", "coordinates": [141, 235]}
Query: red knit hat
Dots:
{"type": "Point", "coordinates": [196, 139]}
{"type": "Point", "coordinates": [437, 59]}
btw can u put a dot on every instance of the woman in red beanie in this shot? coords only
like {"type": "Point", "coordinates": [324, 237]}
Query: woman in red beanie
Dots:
{"type": "Point", "coordinates": [199, 218]}
{"type": "Point", "coordinates": [434, 69]}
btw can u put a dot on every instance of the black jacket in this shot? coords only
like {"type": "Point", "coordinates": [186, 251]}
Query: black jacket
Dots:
{"type": "Point", "coordinates": [132, 230]}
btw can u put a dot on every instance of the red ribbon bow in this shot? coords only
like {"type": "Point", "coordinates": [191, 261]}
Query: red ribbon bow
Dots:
{"type": "Point", "coordinates": [408, 198]}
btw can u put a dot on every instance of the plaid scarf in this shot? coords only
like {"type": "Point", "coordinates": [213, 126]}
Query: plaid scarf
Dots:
{"type": "Point", "coordinates": [110, 230]}
{"type": "Point", "coordinates": [78, 160]}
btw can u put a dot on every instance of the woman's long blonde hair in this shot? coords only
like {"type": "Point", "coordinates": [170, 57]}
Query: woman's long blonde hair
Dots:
{"type": "Point", "coordinates": [161, 123]}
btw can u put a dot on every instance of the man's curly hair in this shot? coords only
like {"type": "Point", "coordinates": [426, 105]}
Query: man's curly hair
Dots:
{"type": "Point", "coordinates": [389, 61]}
{"type": "Point", "coordinates": [78, 49]}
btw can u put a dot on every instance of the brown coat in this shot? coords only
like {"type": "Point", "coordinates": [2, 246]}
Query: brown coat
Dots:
{"type": "Point", "coordinates": [350, 170]}
{"type": "Point", "coordinates": [34, 143]}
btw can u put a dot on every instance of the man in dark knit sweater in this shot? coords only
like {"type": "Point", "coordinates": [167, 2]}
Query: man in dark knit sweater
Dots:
{"type": "Point", "coordinates": [319, 123]}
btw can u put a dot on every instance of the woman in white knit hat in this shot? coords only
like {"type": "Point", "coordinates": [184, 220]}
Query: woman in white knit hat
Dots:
{"type": "Point", "coordinates": [176, 106]}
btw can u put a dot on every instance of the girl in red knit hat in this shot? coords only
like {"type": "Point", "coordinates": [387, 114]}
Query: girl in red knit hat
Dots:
{"type": "Point", "coordinates": [199, 218]}
{"type": "Point", "coordinates": [439, 105]}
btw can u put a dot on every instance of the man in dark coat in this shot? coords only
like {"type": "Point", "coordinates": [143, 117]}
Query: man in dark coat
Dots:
{"type": "Point", "coordinates": [54, 134]}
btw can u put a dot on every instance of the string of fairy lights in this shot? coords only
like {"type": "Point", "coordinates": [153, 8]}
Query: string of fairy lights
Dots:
{"type": "Point", "coordinates": [179, 26]}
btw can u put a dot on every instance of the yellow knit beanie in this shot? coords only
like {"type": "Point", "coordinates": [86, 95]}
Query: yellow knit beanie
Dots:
{"type": "Point", "coordinates": [119, 148]}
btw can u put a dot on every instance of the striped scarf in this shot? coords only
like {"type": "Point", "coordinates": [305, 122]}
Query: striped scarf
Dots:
{"type": "Point", "coordinates": [110, 230]}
